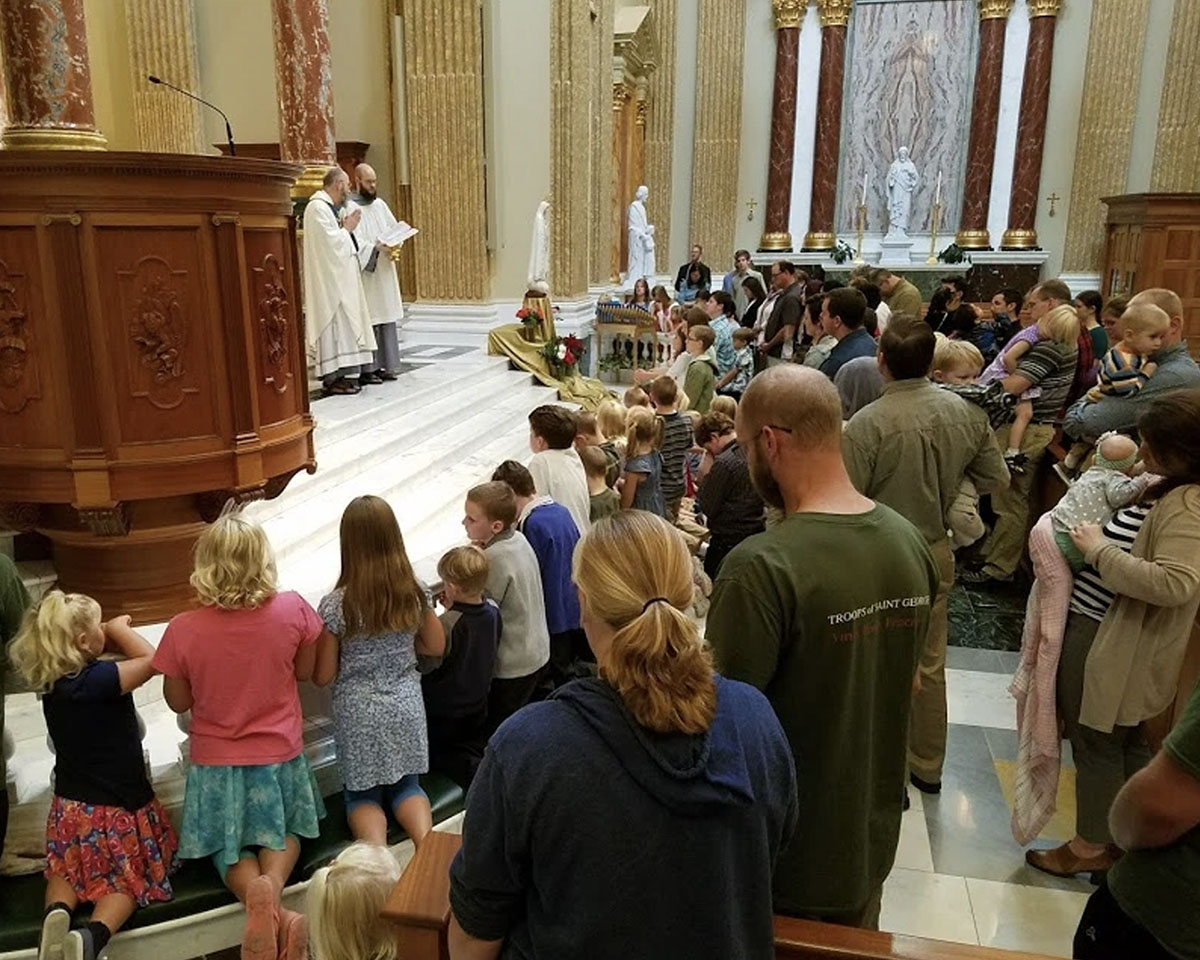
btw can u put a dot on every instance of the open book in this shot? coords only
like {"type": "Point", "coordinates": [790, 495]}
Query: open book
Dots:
{"type": "Point", "coordinates": [399, 232]}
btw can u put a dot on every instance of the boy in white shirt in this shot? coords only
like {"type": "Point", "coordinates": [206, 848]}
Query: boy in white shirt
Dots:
{"type": "Point", "coordinates": [556, 468]}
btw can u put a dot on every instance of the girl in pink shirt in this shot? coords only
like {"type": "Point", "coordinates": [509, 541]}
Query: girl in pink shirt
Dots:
{"type": "Point", "coordinates": [234, 664]}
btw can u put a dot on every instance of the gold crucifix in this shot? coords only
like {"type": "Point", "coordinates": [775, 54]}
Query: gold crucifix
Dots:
{"type": "Point", "coordinates": [1053, 198]}
{"type": "Point", "coordinates": [751, 204]}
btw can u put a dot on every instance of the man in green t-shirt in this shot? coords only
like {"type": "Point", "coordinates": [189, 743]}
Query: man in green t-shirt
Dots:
{"type": "Point", "coordinates": [1149, 907]}
{"type": "Point", "coordinates": [826, 613]}
{"type": "Point", "coordinates": [13, 602]}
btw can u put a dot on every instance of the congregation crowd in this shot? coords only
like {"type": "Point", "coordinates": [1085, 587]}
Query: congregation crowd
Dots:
{"type": "Point", "coordinates": [694, 653]}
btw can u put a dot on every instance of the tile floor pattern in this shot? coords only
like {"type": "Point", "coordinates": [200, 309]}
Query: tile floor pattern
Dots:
{"type": "Point", "coordinates": [959, 875]}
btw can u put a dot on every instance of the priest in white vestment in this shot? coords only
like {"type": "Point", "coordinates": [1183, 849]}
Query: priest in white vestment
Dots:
{"type": "Point", "coordinates": [378, 274]}
{"type": "Point", "coordinates": [341, 343]}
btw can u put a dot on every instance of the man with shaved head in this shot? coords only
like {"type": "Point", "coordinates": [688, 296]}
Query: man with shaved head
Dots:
{"type": "Point", "coordinates": [826, 612]}
{"type": "Point", "coordinates": [378, 273]}
{"type": "Point", "coordinates": [1176, 371]}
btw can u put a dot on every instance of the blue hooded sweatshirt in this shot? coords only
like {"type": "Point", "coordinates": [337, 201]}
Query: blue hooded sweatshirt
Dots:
{"type": "Point", "coordinates": [588, 835]}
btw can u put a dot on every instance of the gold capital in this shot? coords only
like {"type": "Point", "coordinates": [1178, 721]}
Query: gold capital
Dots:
{"type": "Point", "coordinates": [835, 13]}
{"type": "Point", "coordinates": [994, 10]}
{"type": "Point", "coordinates": [789, 13]}
{"type": "Point", "coordinates": [1044, 8]}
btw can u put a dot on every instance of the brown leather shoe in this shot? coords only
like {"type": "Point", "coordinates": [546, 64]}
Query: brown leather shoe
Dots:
{"type": "Point", "coordinates": [1062, 862]}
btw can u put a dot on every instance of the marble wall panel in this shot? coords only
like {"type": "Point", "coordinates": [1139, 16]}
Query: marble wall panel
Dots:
{"type": "Point", "coordinates": [910, 65]}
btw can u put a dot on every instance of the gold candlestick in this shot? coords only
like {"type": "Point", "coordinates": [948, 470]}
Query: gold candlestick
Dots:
{"type": "Point", "coordinates": [861, 219]}
{"type": "Point", "coordinates": [934, 223]}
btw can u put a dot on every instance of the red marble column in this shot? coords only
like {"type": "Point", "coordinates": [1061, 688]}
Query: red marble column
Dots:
{"type": "Point", "coordinates": [835, 15]}
{"type": "Point", "coordinates": [985, 111]}
{"type": "Point", "coordinates": [303, 81]}
{"type": "Point", "coordinates": [776, 236]}
{"type": "Point", "coordinates": [1031, 128]}
{"type": "Point", "coordinates": [46, 71]}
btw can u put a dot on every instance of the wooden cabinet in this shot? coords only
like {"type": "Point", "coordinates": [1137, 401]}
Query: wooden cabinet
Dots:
{"type": "Point", "coordinates": [1154, 241]}
{"type": "Point", "coordinates": [152, 359]}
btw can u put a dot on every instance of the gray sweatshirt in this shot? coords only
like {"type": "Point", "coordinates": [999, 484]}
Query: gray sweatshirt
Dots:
{"type": "Point", "coordinates": [515, 583]}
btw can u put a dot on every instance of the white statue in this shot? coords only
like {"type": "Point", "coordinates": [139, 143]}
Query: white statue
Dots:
{"type": "Point", "coordinates": [902, 180]}
{"type": "Point", "coordinates": [539, 250]}
{"type": "Point", "coordinates": [641, 240]}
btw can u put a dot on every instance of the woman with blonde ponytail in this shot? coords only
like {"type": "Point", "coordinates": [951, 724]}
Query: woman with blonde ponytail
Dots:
{"type": "Point", "coordinates": [657, 782]}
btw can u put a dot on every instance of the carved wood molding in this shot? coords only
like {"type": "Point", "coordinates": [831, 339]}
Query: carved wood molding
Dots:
{"type": "Point", "coordinates": [274, 322]}
{"type": "Point", "coordinates": [19, 516]}
{"type": "Point", "coordinates": [18, 377]}
{"type": "Point", "coordinates": [106, 521]}
{"type": "Point", "coordinates": [159, 328]}
{"type": "Point", "coordinates": [211, 503]}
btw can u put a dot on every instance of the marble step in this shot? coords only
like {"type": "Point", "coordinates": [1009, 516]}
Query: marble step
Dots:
{"type": "Point", "coordinates": [425, 486]}
{"type": "Point", "coordinates": [347, 448]}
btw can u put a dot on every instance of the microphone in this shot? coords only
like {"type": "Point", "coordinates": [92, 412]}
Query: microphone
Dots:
{"type": "Point", "coordinates": [228, 129]}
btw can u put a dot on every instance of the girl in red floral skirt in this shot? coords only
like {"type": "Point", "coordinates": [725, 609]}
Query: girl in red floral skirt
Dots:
{"type": "Point", "coordinates": [108, 840]}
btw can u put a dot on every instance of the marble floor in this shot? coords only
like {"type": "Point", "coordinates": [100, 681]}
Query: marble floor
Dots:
{"type": "Point", "coordinates": [959, 875]}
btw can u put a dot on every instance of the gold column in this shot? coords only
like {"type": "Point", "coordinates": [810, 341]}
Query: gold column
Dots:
{"type": "Point", "coordinates": [620, 159]}
{"type": "Point", "coordinates": [603, 170]}
{"type": "Point", "coordinates": [1177, 153]}
{"type": "Point", "coordinates": [660, 132]}
{"type": "Point", "coordinates": [1110, 90]}
{"type": "Point", "coordinates": [717, 139]}
{"type": "Point", "coordinates": [443, 57]}
{"type": "Point", "coordinates": [162, 41]}
{"type": "Point", "coordinates": [569, 148]}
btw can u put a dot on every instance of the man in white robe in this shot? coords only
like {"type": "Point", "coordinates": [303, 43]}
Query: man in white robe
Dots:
{"type": "Point", "coordinates": [337, 318]}
{"type": "Point", "coordinates": [378, 274]}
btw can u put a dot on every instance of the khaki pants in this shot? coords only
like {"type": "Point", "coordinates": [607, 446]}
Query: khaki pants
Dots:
{"type": "Point", "coordinates": [927, 722]}
{"type": "Point", "coordinates": [1007, 542]}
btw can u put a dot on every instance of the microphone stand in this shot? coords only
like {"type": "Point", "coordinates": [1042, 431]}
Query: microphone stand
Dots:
{"type": "Point", "coordinates": [212, 106]}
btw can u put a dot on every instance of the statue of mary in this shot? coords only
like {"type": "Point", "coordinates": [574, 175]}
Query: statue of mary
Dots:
{"type": "Point", "coordinates": [641, 240]}
{"type": "Point", "coordinates": [539, 250]}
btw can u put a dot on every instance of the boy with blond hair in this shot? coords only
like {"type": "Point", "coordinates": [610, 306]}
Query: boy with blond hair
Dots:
{"type": "Point", "coordinates": [514, 581]}
{"type": "Point", "coordinates": [456, 688]}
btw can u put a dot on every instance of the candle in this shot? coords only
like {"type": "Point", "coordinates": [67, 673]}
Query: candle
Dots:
{"type": "Point", "coordinates": [937, 197]}
{"type": "Point", "coordinates": [864, 193]}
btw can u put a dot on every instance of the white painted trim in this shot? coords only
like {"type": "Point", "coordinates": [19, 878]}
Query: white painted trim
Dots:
{"type": "Point", "coordinates": [1016, 44]}
{"type": "Point", "coordinates": [807, 80]}
{"type": "Point", "coordinates": [1078, 282]}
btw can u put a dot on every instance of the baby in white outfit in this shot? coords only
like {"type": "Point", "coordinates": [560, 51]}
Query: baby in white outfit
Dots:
{"type": "Point", "coordinates": [1113, 481]}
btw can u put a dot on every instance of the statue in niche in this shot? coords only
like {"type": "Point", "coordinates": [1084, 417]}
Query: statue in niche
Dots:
{"type": "Point", "coordinates": [902, 180]}
{"type": "Point", "coordinates": [539, 251]}
{"type": "Point", "coordinates": [641, 240]}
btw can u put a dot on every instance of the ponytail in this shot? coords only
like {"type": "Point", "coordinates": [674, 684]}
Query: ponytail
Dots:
{"type": "Point", "coordinates": [635, 573]}
{"type": "Point", "coordinates": [45, 647]}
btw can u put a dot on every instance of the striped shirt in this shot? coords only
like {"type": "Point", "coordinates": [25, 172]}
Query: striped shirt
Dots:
{"type": "Point", "coordinates": [1091, 596]}
{"type": "Point", "coordinates": [1051, 367]}
{"type": "Point", "coordinates": [677, 440]}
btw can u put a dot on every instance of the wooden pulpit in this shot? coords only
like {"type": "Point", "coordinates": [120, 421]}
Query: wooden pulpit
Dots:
{"type": "Point", "coordinates": [152, 359]}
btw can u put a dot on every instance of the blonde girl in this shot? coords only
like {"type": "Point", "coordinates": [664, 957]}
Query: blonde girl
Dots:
{"type": "Point", "coordinates": [641, 488]}
{"type": "Point", "coordinates": [235, 662]}
{"type": "Point", "coordinates": [657, 761]}
{"type": "Point", "coordinates": [610, 418]}
{"type": "Point", "coordinates": [345, 900]}
{"type": "Point", "coordinates": [377, 620]}
{"type": "Point", "coordinates": [108, 840]}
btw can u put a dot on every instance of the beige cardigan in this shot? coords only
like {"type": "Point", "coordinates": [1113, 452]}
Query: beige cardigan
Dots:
{"type": "Point", "coordinates": [1133, 667]}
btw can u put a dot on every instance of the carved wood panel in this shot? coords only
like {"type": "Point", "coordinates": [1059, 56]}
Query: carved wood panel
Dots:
{"type": "Point", "coordinates": [26, 407]}
{"type": "Point", "coordinates": [161, 339]}
{"type": "Point", "coordinates": [274, 306]}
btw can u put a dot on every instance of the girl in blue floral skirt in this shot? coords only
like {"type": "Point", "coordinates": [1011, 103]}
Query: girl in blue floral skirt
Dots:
{"type": "Point", "coordinates": [108, 840]}
{"type": "Point", "coordinates": [234, 663]}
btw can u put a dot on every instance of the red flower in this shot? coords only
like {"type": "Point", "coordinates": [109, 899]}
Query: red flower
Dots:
{"type": "Point", "coordinates": [569, 359]}
{"type": "Point", "coordinates": [522, 313]}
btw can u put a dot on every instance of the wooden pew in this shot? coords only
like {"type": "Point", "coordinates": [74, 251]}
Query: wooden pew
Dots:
{"type": "Point", "coordinates": [419, 905]}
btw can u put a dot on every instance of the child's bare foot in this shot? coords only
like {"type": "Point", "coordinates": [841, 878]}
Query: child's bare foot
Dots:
{"type": "Point", "coordinates": [293, 935]}
{"type": "Point", "coordinates": [260, 941]}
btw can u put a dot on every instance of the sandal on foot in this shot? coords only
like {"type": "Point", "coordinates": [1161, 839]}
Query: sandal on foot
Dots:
{"type": "Point", "coordinates": [293, 936]}
{"type": "Point", "coordinates": [55, 927]}
{"type": "Point", "coordinates": [260, 940]}
{"type": "Point", "coordinates": [341, 388]}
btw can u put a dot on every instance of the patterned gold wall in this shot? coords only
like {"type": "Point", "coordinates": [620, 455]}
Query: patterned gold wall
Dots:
{"type": "Point", "coordinates": [718, 128]}
{"type": "Point", "coordinates": [1177, 154]}
{"type": "Point", "coordinates": [1116, 42]}
{"type": "Point", "coordinates": [162, 41]}
{"type": "Point", "coordinates": [570, 78]}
